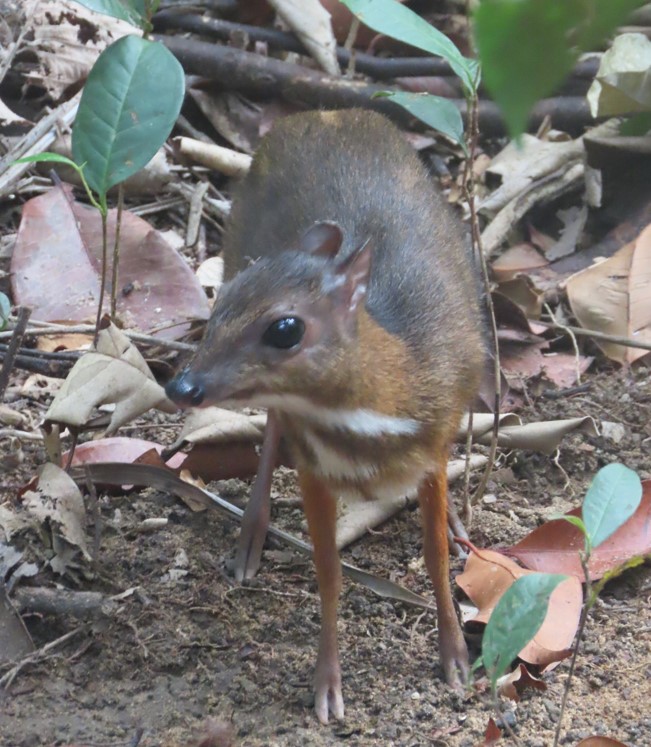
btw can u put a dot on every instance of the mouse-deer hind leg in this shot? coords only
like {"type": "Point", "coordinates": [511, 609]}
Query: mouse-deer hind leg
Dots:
{"type": "Point", "coordinates": [320, 508]}
{"type": "Point", "coordinates": [432, 496]}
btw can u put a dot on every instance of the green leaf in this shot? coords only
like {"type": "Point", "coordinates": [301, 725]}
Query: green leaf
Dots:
{"type": "Point", "coordinates": [130, 102]}
{"type": "Point", "coordinates": [132, 11]}
{"type": "Point", "coordinates": [637, 125]}
{"type": "Point", "coordinates": [437, 112]}
{"type": "Point", "coordinates": [47, 157]}
{"type": "Point", "coordinates": [612, 498]}
{"type": "Point", "coordinates": [578, 523]}
{"type": "Point", "coordinates": [5, 310]}
{"type": "Point", "coordinates": [527, 47]}
{"type": "Point", "coordinates": [516, 619]}
{"type": "Point", "coordinates": [397, 21]}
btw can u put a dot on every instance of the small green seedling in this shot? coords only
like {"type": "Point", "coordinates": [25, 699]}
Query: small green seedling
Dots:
{"type": "Point", "coordinates": [612, 498]}
{"type": "Point", "coordinates": [399, 22]}
{"type": "Point", "coordinates": [128, 107]}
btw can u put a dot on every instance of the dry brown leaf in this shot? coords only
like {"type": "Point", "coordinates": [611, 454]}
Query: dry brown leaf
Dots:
{"type": "Point", "coordinates": [514, 683]}
{"type": "Point", "coordinates": [554, 547]}
{"type": "Point", "coordinates": [613, 297]}
{"type": "Point", "coordinates": [485, 579]}
{"type": "Point", "coordinates": [523, 292]}
{"type": "Point", "coordinates": [117, 449]}
{"type": "Point", "coordinates": [65, 55]}
{"type": "Point", "coordinates": [114, 373]}
{"type": "Point", "coordinates": [56, 500]}
{"type": "Point", "coordinates": [492, 735]}
{"type": "Point", "coordinates": [57, 259]}
{"type": "Point", "coordinates": [516, 260]}
{"type": "Point", "coordinates": [310, 21]}
{"type": "Point", "coordinates": [600, 742]}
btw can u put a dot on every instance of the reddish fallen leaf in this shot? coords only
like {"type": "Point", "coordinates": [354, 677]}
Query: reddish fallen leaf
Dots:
{"type": "Point", "coordinates": [516, 260]}
{"type": "Point", "coordinates": [492, 735]}
{"type": "Point", "coordinates": [600, 742]}
{"type": "Point", "coordinates": [208, 462]}
{"type": "Point", "coordinates": [554, 547]}
{"type": "Point", "coordinates": [55, 268]}
{"type": "Point", "coordinates": [516, 682]}
{"type": "Point", "coordinates": [117, 449]}
{"type": "Point", "coordinates": [485, 579]}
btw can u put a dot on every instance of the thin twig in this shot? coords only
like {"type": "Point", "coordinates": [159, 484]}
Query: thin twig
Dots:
{"type": "Point", "coordinates": [579, 636]}
{"type": "Point", "coordinates": [575, 345]}
{"type": "Point", "coordinates": [50, 328]}
{"type": "Point", "coordinates": [102, 287]}
{"type": "Point", "coordinates": [469, 189]}
{"type": "Point", "coordinates": [580, 332]}
{"type": "Point", "coordinates": [116, 253]}
{"type": "Point", "coordinates": [17, 335]}
{"type": "Point", "coordinates": [40, 654]}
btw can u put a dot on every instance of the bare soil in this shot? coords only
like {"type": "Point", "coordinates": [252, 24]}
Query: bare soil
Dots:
{"type": "Point", "coordinates": [188, 645]}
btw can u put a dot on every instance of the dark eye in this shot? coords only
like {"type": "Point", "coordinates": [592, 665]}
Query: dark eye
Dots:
{"type": "Point", "coordinates": [284, 333]}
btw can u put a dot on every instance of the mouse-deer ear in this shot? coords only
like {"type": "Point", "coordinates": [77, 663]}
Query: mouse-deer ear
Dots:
{"type": "Point", "coordinates": [354, 273]}
{"type": "Point", "coordinates": [323, 239]}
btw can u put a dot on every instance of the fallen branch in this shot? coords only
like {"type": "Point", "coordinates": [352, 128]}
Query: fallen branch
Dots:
{"type": "Point", "coordinates": [381, 68]}
{"type": "Point", "coordinates": [61, 602]}
{"type": "Point", "coordinates": [265, 77]}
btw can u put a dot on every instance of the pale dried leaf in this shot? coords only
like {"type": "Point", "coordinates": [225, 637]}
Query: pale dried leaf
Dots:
{"type": "Point", "coordinates": [114, 373]}
{"type": "Point", "coordinates": [310, 21]}
{"type": "Point", "coordinates": [57, 500]}
{"type": "Point", "coordinates": [216, 425]}
{"type": "Point", "coordinates": [544, 436]}
{"type": "Point", "coordinates": [523, 162]}
{"type": "Point", "coordinates": [622, 84]}
{"type": "Point", "coordinates": [613, 297]}
{"type": "Point", "coordinates": [210, 272]}
{"type": "Point", "coordinates": [8, 117]}
{"type": "Point", "coordinates": [65, 56]}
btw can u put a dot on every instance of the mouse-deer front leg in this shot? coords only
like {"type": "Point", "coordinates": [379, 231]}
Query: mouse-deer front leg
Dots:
{"type": "Point", "coordinates": [432, 495]}
{"type": "Point", "coordinates": [320, 508]}
{"type": "Point", "coordinates": [255, 521]}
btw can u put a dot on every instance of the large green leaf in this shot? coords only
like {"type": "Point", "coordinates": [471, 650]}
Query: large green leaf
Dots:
{"type": "Point", "coordinates": [130, 102]}
{"type": "Point", "coordinates": [132, 11]}
{"type": "Point", "coordinates": [527, 47]}
{"type": "Point", "coordinates": [612, 498]}
{"type": "Point", "coordinates": [397, 21]}
{"type": "Point", "coordinates": [516, 619]}
{"type": "Point", "coordinates": [437, 112]}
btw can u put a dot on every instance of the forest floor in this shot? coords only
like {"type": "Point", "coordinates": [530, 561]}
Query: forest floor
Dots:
{"type": "Point", "coordinates": [188, 645]}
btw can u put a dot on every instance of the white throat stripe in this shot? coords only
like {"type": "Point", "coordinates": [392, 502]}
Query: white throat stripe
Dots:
{"type": "Point", "coordinates": [360, 421]}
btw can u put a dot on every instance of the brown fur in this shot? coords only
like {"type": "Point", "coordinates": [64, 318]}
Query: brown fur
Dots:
{"type": "Point", "coordinates": [412, 351]}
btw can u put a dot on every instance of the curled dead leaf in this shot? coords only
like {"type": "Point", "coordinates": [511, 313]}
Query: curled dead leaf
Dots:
{"type": "Point", "coordinates": [114, 373]}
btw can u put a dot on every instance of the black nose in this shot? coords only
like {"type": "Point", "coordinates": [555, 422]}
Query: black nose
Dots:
{"type": "Point", "coordinates": [185, 390]}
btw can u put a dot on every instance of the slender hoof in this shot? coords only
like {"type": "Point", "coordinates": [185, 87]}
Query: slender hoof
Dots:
{"type": "Point", "coordinates": [454, 659]}
{"type": "Point", "coordinates": [247, 559]}
{"type": "Point", "coordinates": [327, 690]}
{"type": "Point", "coordinates": [327, 700]}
